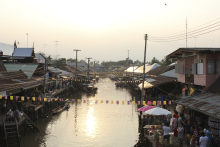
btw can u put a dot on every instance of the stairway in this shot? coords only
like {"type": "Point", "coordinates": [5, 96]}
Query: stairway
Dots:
{"type": "Point", "coordinates": [12, 136]}
{"type": "Point", "coordinates": [30, 124]}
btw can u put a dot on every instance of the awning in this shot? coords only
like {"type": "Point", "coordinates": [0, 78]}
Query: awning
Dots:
{"type": "Point", "coordinates": [206, 103]}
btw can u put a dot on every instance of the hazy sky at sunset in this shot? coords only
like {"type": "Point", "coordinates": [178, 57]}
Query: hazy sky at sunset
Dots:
{"type": "Point", "coordinates": [105, 30]}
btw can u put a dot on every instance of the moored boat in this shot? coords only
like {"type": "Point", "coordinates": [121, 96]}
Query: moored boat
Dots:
{"type": "Point", "coordinates": [58, 109]}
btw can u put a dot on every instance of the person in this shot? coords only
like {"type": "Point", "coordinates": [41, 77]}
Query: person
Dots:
{"type": "Point", "coordinates": [179, 120]}
{"type": "Point", "coordinates": [203, 140]}
{"type": "Point", "coordinates": [166, 134]}
{"type": "Point", "coordinates": [187, 128]}
{"type": "Point", "coordinates": [4, 106]}
{"type": "Point", "coordinates": [164, 120]}
{"type": "Point", "coordinates": [174, 123]}
{"type": "Point", "coordinates": [16, 114]}
{"type": "Point", "coordinates": [180, 134]}
{"type": "Point", "coordinates": [9, 115]}
{"type": "Point", "coordinates": [195, 133]}
{"type": "Point", "coordinates": [209, 135]}
{"type": "Point", "coordinates": [192, 142]}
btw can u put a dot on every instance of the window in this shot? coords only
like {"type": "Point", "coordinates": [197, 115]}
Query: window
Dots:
{"type": "Point", "coordinates": [212, 66]}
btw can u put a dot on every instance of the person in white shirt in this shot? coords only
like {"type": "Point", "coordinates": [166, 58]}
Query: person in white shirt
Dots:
{"type": "Point", "coordinates": [203, 140]}
{"type": "Point", "coordinates": [9, 115]}
{"type": "Point", "coordinates": [166, 134]}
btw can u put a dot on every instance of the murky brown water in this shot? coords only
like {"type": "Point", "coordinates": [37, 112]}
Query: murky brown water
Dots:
{"type": "Point", "coordinates": [90, 124]}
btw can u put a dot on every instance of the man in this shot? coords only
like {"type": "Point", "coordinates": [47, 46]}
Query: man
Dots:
{"type": "Point", "coordinates": [166, 134]}
{"type": "Point", "coordinates": [187, 128]}
{"type": "Point", "coordinates": [203, 140]}
{"type": "Point", "coordinates": [180, 134]}
{"type": "Point", "coordinates": [209, 135]}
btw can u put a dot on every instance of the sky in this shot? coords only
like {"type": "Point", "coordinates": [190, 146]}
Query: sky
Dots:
{"type": "Point", "coordinates": [106, 29]}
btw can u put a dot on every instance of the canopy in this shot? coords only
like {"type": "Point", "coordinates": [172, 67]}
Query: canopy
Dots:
{"type": "Point", "coordinates": [145, 108]}
{"type": "Point", "coordinates": [157, 111]}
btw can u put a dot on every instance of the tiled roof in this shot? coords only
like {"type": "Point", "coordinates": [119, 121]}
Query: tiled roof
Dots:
{"type": "Point", "coordinates": [13, 75]}
{"type": "Point", "coordinates": [28, 69]}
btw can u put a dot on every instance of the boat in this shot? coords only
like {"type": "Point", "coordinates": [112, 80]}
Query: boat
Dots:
{"type": "Point", "coordinates": [58, 109]}
{"type": "Point", "coordinates": [67, 106]}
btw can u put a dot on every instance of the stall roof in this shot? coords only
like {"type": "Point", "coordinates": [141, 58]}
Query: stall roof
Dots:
{"type": "Point", "coordinates": [147, 68]}
{"type": "Point", "coordinates": [206, 103]}
{"type": "Point", "coordinates": [28, 69]}
{"type": "Point", "coordinates": [131, 69]}
{"type": "Point", "coordinates": [160, 70]}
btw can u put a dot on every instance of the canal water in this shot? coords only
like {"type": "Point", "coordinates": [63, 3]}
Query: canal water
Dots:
{"type": "Point", "coordinates": [90, 124]}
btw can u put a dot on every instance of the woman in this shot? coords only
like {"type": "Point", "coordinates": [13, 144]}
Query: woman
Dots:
{"type": "Point", "coordinates": [192, 141]}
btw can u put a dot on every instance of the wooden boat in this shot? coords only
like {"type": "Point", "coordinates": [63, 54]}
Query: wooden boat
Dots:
{"type": "Point", "coordinates": [58, 109]}
{"type": "Point", "coordinates": [67, 106]}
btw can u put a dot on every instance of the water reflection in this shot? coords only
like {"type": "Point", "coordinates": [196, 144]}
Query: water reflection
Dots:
{"type": "Point", "coordinates": [90, 123]}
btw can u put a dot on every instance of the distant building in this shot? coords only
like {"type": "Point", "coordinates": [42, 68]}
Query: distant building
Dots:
{"type": "Point", "coordinates": [82, 65]}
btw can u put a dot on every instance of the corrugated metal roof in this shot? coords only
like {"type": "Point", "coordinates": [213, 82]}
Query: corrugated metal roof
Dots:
{"type": "Point", "coordinates": [147, 68]}
{"type": "Point", "coordinates": [131, 69]}
{"type": "Point", "coordinates": [22, 52]}
{"type": "Point", "coordinates": [28, 69]}
{"type": "Point", "coordinates": [151, 81]}
{"type": "Point", "coordinates": [61, 72]}
{"type": "Point", "coordinates": [170, 73]}
{"type": "Point", "coordinates": [206, 103]}
{"type": "Point", "coordinates": [159, 70]}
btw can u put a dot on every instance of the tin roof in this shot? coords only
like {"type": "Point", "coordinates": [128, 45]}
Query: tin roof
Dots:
{"type": "Point", "coordinates": [28, 69]}
{"type": "Point", "coordinates": [20, 53]}
{"type": "Point", "coordinates": [159, 70]}
{"type": "Point", "coordinates": [131, 69]}
{"type": "Point", "coordinates": [206, 103]}
{"type": "Point", "coordinates": [151, 81]}
{"type": "Point", "coordinates": [180, 51]}
{"type": "Point", "coordinates": [13, 75]}
{"type": "Point", "coordinates": [147, 68]}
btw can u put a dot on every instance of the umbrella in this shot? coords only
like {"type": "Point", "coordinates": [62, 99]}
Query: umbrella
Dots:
{"type": "Point", "coordinates": [145, 108]}
{"type": "Point", "coordinates": [158, 111]}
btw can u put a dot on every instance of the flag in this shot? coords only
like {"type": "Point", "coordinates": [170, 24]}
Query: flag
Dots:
{"type": "Point", "coordinates": [33, 98]}
{"type": "Point", "coordinates": [73, 100]}
{"type": "Point", "coordinates": [170, 102]}
{"type": "Point", "coordinates": [55, 99]}
{"type": "Point", "coordinates": [144, 103]}
{"type": "Point", "coordinates": [45, 99]}
{"type": "Point", "coordinates": [101, 101]}
{"type": "Point", "coordinates": [191, 91]}
{"type": "Point", "coordinates": [78, 100]}
{"type": "Point", "coordinates": [123, 102]}
{"type": "Point", "coordinates": [112, 102]}
{"type": "Point", "coordinates": [139, 102]}
{"type": "Point", "coordinates": [60, 99]}
{"type": "Point", "coordinates": [16, 97]}
{"type": "Point", "coordinates": [11, 97]}
{"type": "Point", "coordinates": [106, 101]}
{"type": "Point", "coordinates": [164, 102]}
{"type": "Point", "coordinates": [159, 102]}
{"type": "Point", "coordinates": [154, 103]}
{"type": "Point", "coordinates": [128, 102]}
{"type": "Point", "coordinates": [0, 97]}
{"type": "Point", "coordinates": [149, 103]}
{"type": "Point", "coordinates": [133, 102]}
{"type": "Point", "coordinates": [22, 98]}
{"type": "Point", "coordinates": [6, 97]}
{"type": "Point", "coordinates": [96, 101]}
{"type": "Point", "coordinates": [117, 102]}
{"type": "Point", "coordinates": [84, 101]}
{"type": "Point", "coordinates": [28, 98]}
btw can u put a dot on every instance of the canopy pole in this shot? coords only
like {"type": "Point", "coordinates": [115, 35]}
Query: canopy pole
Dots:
{"type": "Point", "coordinates": [143, 92]}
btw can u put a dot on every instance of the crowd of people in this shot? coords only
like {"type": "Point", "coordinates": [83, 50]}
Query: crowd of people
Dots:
{"type": "Point", "coordinates": [198, 134]}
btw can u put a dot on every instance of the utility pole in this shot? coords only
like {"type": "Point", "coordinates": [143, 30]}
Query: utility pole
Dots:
{"type": "Point", "coordinates": [44, 49]}
{"type": "Point", "coordinates": [56, 48]}
{"type": "Point", "coordinates": [88, 66]}
{"type": "Point", "coordinates": [142, 97]}
{"type": "Point", "coordinates": [76, 50]}
{"type": "Point", "coordinates": [128, 54]}
{"type": "Point", "coordinates": [45, 68]}
{"type": "Point", "coordinates": [186, 32]}
{"type": "Point", "coordinates": [27, 40]}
